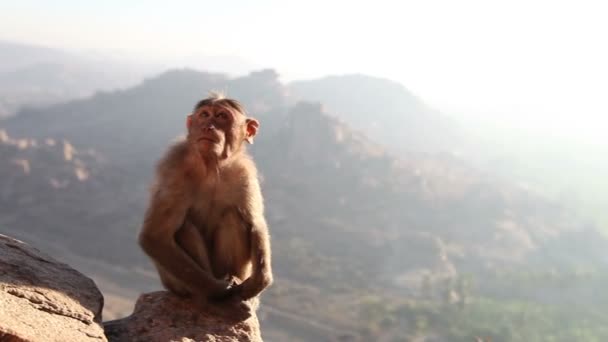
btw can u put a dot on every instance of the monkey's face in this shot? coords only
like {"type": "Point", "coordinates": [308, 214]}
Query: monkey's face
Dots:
{"type": "Point", "coordinates": [219, 131]}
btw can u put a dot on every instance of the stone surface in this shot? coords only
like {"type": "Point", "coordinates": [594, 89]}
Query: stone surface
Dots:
{"type": "Point", "coordinates": [162, 317]}
{"type": "Point", "coordinates": [44, 300]}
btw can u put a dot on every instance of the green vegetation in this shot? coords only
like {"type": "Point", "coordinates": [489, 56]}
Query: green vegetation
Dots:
{"type": "Point", "coordinates": [503, 320]}
{"type": "Point", "coordinates": [461, 316]}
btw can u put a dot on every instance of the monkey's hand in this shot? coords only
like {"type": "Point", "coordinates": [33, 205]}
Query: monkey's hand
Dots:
{"type": "Point", "coordinates": [229, 291]}
{"type": "Point", "coordinates": [252, 286]}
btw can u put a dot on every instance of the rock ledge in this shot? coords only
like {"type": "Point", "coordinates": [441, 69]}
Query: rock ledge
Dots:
{"type": "Point", "coordinates": [161, 316]}
{"type": "Point", "coordinates": [44, 300]}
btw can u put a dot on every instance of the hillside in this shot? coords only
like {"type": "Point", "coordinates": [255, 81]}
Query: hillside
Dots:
{"type": "Point", "coordinates": [365, 243]}
{"type": "Point", "coordinates": [38, 76]}
{"type": "Point", "coordinates": [384, 110]}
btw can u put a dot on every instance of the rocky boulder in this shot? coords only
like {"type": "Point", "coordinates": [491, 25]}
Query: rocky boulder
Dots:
{"type": "Point", "coordinates": [42, 299]}
{"type": "Point", "coordinates": [161, 317]}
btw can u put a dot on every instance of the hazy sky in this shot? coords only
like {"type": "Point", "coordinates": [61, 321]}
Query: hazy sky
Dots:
{"type": "Point", "coordinates": [529, 63]}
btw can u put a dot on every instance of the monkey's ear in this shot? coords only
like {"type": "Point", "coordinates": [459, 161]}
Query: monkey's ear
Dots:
{"type": "Point", "coordinates": [252, 129]}
{"type": "Point", "coordinates": [188, 121]}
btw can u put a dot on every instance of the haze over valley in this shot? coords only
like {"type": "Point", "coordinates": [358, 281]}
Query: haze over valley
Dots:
{"type": "Point", "coordinates": [396, 213]}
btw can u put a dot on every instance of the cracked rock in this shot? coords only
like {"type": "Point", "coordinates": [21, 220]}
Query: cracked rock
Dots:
{"type": "Point", "coordinates": [163, 317]}
{"type": "Point", "coordinates": [44, 300]}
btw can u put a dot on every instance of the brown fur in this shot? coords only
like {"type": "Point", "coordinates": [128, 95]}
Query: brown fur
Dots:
{"type": "Point", "coordinates": [204, 227]}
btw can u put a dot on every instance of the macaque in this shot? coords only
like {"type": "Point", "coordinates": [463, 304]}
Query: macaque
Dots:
{"type": "Point", "coordinates": [204, 228]}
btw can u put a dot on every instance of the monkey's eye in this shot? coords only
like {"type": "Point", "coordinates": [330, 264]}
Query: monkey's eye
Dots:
{"type": "Point", "coordinates": [221, 115]}
{"type": "Point", "coordinates": [204, 114]}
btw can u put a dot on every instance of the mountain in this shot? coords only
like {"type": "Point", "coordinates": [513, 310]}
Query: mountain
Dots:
{"type": "Point", "coordinates": [369, 244]}
{"type": "Point", "coordinates": [145, 117]}
{"type": "Point", "coordinates": [37, 76]}
{"type": "Point", "coordinates": [16, 55]}
{"type": "Point", "coordinates": [384, 110]}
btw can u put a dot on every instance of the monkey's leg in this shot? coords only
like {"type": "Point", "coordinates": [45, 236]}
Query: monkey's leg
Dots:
{"type": "Point", "coordinates": [191, 241]}
{"type": "Point", "coordinates": [171, 283]}
{"type": "Point", "coordinates": [231, 251]}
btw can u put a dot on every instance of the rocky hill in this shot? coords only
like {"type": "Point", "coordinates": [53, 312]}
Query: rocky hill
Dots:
{"type": "Point", "coordinates": [365, 242]}
{"type": "Point", "coordinates": [384, 110]}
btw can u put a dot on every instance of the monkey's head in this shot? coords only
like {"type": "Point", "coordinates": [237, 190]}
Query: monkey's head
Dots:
{"type": "Point", "coordinates": [218, 126]}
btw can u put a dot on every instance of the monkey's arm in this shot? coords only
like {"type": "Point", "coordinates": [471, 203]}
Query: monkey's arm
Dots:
{"type": "Point", "coordinates": [165, 215]}
{"type": "Point", "coordinates": [253, 215]}
{"type": "Point", "coordinates": [261, 276]}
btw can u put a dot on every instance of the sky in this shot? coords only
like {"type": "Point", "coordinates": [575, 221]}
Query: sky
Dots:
{"type": "Point", "coordinates": [540, 65]}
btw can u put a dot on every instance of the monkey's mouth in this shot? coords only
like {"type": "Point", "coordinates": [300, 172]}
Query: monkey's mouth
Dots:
{"type": "Point", "coordinates": [208, 139]}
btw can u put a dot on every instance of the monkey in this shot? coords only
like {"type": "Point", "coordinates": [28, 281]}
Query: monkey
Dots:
{"type": "Point", "coordinates": [204, 227]}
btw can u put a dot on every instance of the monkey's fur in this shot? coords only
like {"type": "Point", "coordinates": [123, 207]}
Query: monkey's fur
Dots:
{"type": "Point", "coordinates": [205, 228]}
